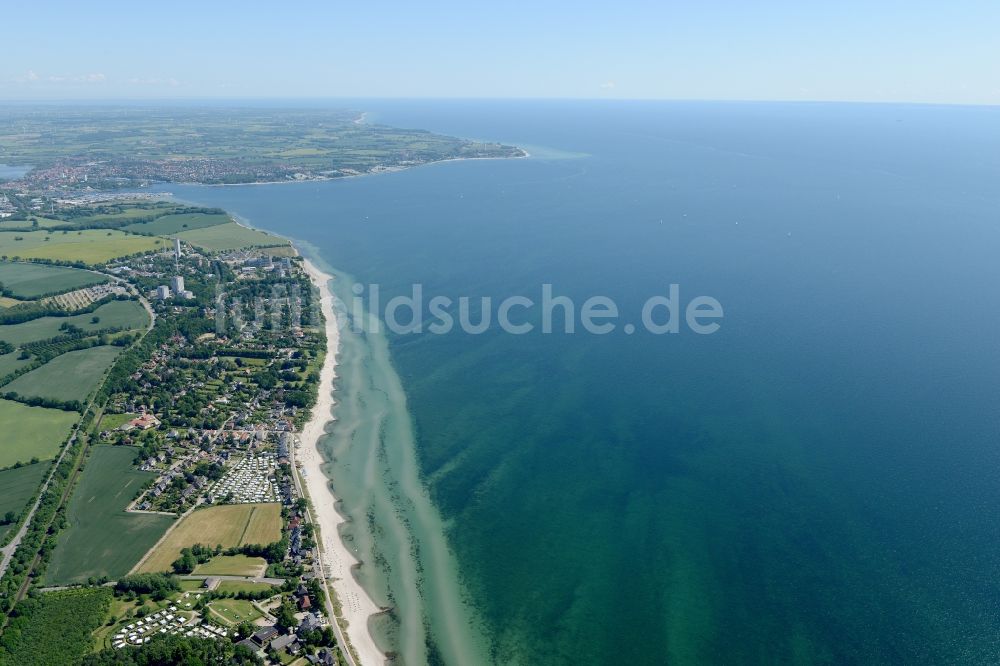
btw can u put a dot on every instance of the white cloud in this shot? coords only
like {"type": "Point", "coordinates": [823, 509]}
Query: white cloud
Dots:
{"type": "Point", "coordinates": [608, 85]}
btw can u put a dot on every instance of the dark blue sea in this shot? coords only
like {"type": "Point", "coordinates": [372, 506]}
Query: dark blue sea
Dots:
{"type": "Point", "coordinates": [818, 481]}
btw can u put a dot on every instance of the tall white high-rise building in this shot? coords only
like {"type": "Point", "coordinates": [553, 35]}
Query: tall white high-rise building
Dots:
{"type": "Point", "coordinates": [177, 284]}
{"type": "Point", "coordinates": [177, 248]}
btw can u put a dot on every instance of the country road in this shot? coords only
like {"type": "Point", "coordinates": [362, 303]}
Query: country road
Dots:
{"type": "Point", "coordinates": [242, 579]}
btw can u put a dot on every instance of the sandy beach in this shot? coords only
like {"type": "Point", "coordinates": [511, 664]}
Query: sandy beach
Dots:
{"type": "Point", "coordinates": [356, 605]}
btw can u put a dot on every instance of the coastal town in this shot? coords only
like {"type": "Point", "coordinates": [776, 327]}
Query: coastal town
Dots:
{"type": "Point", "coordinates": [212, 413]}
{"type": "Point", "coordinates": [189, 438]}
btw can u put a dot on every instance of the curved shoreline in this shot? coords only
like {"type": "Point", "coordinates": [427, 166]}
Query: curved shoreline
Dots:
{"type": "Point", "coordinates": [416, 522]}
{"type": "Point", "coordinates": [412, 566]}
{"type": "Point", "coordinates": [331, 179]}
{"type": "Point", "coordinates": [354, 604]}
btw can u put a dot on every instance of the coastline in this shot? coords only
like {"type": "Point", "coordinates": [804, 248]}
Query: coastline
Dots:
{"type": "Point", "coordinates": [328, 179]}
{"type": "Point", "coordinates": [354, 604]}
{"type": "Point", "coordinates": [416, 587]}
{"type": "Point", "coordinates": [353, 607]}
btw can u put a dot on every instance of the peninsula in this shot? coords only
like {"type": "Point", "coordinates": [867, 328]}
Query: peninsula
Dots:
{"type": "Point", "coordinates": [74, 152]}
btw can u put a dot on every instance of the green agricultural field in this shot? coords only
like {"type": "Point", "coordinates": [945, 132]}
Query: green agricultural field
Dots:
{"type": "Point", "coordinates": [31, 432]}
{"type": "Point", "coordinates": [91, 246]}
{"type": "Point", "coordinates": [102, 539]}
{"type": "Point", "coordinates": [71, 376]}
{"type": "Point", "coordinates": [232, 565]}
{"type": "Point", "coordinates": [116, 314]}
{"type": "Point", "coordinates": [229, 236]}
{"type": "Point", "coordinates": [26, 280]}
{"type": "Point", "coordinates": [10, 362]}
{"type": "Point", "coordinates": [43, 222]}
{"type": "Point", "coordinates": [173, 224]}
{"type": "Point", "coordinates": [17, 486]}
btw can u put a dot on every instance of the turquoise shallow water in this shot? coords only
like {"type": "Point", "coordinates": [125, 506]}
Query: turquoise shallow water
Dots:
{"type": "Point", "coordinates": [393, 527]}
{"type": "Point", "coordinates": [817, 482]}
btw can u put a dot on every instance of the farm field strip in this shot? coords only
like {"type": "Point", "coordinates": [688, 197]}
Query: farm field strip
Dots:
{"type": "Point", "coordinates": [102, 539]}
{"type": "Point", "coordinates": [32, 432]}
{"type": "Point", "coordinates": [227, 525]}
{"type": "Point", "coordinates": [71, 376]}
{"type": "Point", "coordinates": [28, 280]}
{"type": "Point", "coordinates": [91, 246]}
{"type": "Point", "coordinates": [17, 487]}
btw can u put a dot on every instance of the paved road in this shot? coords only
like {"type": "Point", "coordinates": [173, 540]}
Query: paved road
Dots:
{"type": "Point", "coordinates": [242, 579]}
{"type": "Point", "coordinates": [7, 552]}
{"type": "Point", "coordinates": [142, 299]}
{"type": "Point", "coordinates": [245, 579]}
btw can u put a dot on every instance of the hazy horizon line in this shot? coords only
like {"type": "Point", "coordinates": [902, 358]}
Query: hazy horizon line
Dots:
{"type": "Point", "coordinates": [98, 101]}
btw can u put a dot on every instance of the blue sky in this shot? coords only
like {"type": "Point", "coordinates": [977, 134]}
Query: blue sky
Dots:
{"type": "Point", "coordinates": [913, 51]}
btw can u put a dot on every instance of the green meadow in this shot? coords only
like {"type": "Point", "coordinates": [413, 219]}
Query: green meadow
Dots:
{"type": "Point", "coordinates": [102, 539]}
{"type": "Point", "coordinates": [115, 421]}
{"type": "Point", "coordinates": [237, 586]}
{"type": "Point", "coordinates": [91, 246]}
{"type": "Point", "coordinates": [26, 280]}
{"type": "Point", "coordinates": [32, 432]}
{"type": "Point", "coordinates": [43, 222]}
{"type": "Point", "coordinates": [229, 236]}
{"type": "Point", "coordinates": [10, 362]}
{"type": "Point", "coordinates": [116, 314]}
{"type": "Point", "coordinates": [232, 565]}
{"type": "Point", "coordinates": [71, 376]}
{"type": "Point", "coordinates": [234, 611]}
